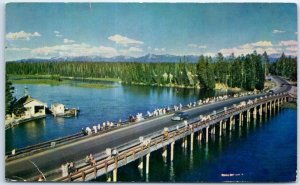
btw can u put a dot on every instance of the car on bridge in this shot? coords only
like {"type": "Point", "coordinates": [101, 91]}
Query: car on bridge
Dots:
{"type": "Point", "coordinates": [178, 116]}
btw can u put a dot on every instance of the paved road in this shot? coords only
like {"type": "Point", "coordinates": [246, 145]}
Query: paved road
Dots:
{"type": "Point", "coordinates": [52, 159]}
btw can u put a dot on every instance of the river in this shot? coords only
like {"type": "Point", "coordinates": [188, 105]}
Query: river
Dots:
{"type": "Point", "coordinates": [96, 106]}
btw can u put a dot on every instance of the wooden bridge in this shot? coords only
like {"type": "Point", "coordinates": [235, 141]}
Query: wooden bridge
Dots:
{"type": "Point", "coordinates": [213, 124]}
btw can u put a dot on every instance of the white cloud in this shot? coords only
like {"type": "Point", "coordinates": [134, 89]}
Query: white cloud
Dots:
{"type": "Point", "coordinates": [21, 35]}
{"type": "Point", "coordinates": [262, 44]}
{"type": "Point", "coordinates": [210, 54]}
{"type": "Point", "coordinates": [68, 41]}
{"type": "Point", "coordinates": [18, 49]}
{"type": "Point", "coordinates": [292, 48]}
{"type": "Point", "coordinates": [289, 47]}
{"type": "Point", "coordinates": [57, 33]}
{"type": "Point", "coordinates": [288, 43]}
{"type": "Point", "coordinates": [160, 50]}
{"type": "Point", "coordinates": [119, 39]}
{"type": "Point", "coordinates": [197, 46]}
{"type": "Point", "coordinates": [135, 49]}
{"type": "Point", "coordinates": [260, 47]}
{"type": "Point", "coordinates": [75, 50]}
{"type": "Point", "coordinates": [251, 46]}
{"type": "Point", "coordinates": [278, 31]}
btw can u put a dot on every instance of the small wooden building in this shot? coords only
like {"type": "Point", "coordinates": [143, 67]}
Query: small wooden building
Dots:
{"type": "Point", "coordinates": [58, 109]}
{"type": "Point", "coordinates": [33, 107]}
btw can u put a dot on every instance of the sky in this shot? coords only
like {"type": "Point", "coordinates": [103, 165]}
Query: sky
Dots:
{"type": "Point", "coordinates": [46, 30]}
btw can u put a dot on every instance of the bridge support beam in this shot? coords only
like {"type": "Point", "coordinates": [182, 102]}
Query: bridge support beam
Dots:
{"type": "Point", "coordinates": [165, 152]}
{"type": "Point", "coordinates": [270, 107]}
{"type": "Point", "coordinates": [115, 170]}
{"type": "Point", "coordinates": [240, 119]}
{"type": "Point", "coordinates": [220, 129]}
{"type": "Point", "coordinates": [200, 135]}
{"type": "Point", "coordinates": [260, 109]}
{"type": "Point", "coordinates": [147, 163]}
{"type": "Point", "coordinates": [192, 141]}
{"type": "Point", "coordinates": [207, 129]}
{"type": "Point", "coordinates": [224, 125]}
{"type": "Point", "coordinates": [141, 164]}
{"type": "Point", "coordinates": [184, 142]}
{"type": "Point", "coordinates": [248, 116]}
{"type": "Point", "coordinates": [230, 123]}
{"type": "Point", "coordinates": [266, 108]}
{"type": "Point", "coordinates": [172, 150]}
{"type": "Point", "coordinates": [115, 175]}
{"type": "Point", "coordinates": [255, 113]}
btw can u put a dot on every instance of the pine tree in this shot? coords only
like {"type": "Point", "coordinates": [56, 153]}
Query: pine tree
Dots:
{"type": "Point", "coordinates": [265, 63]}
{"type": "Point", "coordinates": [9, 98]}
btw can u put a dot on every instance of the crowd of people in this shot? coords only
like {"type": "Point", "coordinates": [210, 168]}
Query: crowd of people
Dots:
{"type": "Point", "coordinates": [158, 112]}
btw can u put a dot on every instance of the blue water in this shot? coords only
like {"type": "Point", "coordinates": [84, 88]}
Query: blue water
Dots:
{"type": "Point", "coordinates": [262, 152]}
{"type": "Point", "coordinates": [96, 106]}
{"type": "Point", "coordinates": [266, 152]}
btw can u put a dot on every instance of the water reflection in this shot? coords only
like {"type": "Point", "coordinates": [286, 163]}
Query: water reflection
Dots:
{"type": "Point", "coordinates": [206, 150]}
{"type": "Point", "coordinates": [60, 120]}
{"type": "Point", "coordinates": [191, 161]}
{"type": "Point", "coordinates": [172, 173]}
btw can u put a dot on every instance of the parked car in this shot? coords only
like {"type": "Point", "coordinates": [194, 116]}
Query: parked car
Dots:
{"type": "Point", "coordinates": [178, 116]}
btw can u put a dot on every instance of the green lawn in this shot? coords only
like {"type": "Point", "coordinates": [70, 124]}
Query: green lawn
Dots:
{"type": "Point", "coordinates": [46, 80]}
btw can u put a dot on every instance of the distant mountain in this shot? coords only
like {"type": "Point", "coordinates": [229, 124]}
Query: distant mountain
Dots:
{"type": "Point", "coordinates": [147, 58]}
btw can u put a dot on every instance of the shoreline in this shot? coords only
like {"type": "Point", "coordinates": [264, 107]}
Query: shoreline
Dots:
{"type": "Point", "coordinates": [61, 80]}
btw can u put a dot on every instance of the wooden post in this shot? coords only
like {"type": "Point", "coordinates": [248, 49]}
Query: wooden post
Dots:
{"type": "Point", "coordinates": [254, 113]}
{"type": "Point", "coordinates": [115, 170]}
{"type": "Point", "coordinates": [230, 123]}
{"type": "Point", "coordinates": [207, 129]}
{"type": "Point", "coordinates": [141, 163]}
{"type": "Point", "coordinates": [165, 152]}
{"type": "Point", "coordinates": [147, 163]}
{"type": "Point", "coordinates": [192, 141]}
{"type": "Point", "coordinates": [172, 150]}
{"type": "Point", "coordinates": [220, 129]}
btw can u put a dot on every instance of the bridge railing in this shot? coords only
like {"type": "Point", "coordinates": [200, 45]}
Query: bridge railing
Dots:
{"type": "Point", "coordinates": [71, 138]}
{"type": "Point", "coordinates": [159, 137]}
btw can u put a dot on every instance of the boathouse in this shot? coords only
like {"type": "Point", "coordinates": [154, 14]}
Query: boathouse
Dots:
{"type": "Point", "coordinates": [33, 107]}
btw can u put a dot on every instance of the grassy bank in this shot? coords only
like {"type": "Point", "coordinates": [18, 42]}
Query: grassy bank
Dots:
{"type": "Point", "coordinates": [57, 80]}
{"type": "Point", "coordinates": [38, 81]}
{"type": "Point", "coordinates": [56, 77]}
